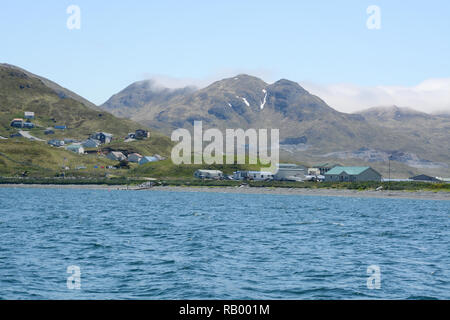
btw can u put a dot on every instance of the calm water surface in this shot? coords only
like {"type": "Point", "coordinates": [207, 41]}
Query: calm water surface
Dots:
{"type": "Point", "coordinates": [164, 245]}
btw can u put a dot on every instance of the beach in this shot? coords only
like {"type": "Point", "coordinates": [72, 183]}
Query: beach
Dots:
{"type": "Point", "coordinates": [384, 194]}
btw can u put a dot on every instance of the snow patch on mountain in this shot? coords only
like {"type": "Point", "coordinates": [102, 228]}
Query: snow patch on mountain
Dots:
{"type": "Point", "coordinates": [265, 98]}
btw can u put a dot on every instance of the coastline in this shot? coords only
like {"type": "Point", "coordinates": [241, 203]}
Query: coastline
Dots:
{"type": "Point", "coordinates": [385, 194]}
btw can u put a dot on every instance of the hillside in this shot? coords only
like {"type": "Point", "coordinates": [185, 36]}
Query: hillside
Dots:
{"type": "Point", "coordinates": [310, 130]}
{"type": "Point", "coordinates": [21, 91]}
{"type": "Point", "coordinates": [60, 91]}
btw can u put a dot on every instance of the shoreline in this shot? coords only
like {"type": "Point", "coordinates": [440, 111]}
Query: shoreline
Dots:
{"type": "Point", "coordinates": [385, 194]}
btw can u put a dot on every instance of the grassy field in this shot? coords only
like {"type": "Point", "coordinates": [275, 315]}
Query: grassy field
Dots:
{"type": "Point", "coordinates": [42, 160]}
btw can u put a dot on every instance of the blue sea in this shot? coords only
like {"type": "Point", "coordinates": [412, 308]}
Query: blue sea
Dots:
{"type": "Point", "coordinates": [184, 245]}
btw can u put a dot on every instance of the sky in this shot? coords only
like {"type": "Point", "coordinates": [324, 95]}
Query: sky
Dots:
{"type": "Point", "coordinates": [326, 46]}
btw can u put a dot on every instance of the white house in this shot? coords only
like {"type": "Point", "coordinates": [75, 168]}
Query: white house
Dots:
{"type": "Point", "coordinates": [77, 148]}
{"type": "Point", "coordinates": [290, 172]}
{"type": "Point", "coordinates": [253, 175]}
{"type": "Point", "coordinates": [208, 174]}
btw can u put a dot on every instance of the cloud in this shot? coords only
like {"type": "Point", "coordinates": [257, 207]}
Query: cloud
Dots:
{"type": "Point", "coordinates": [430, 96]}
{"type": "Point", "coordinates": [180, 82]}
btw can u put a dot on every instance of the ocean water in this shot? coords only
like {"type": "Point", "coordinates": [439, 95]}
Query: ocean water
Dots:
{"type": "Point", "coordinates": [176, 245]}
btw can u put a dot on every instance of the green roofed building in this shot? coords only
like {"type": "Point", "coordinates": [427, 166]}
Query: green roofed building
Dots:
{"type": "Point", "coordinates": [352, 174]}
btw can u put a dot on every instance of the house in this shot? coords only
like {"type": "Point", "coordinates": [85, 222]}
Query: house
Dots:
{"type": "Point", "coordinates": [292, 172]}
{"type": "Point", "coordinates": [17, 123]}
{"type": "Point", "coordinates": [424, 178]}
{"type": "Point", "coordinates": [259, 175]}
{"type": "Point", "coordinates": [208, 174]}
{"type": "Point", "coordinates": [28, 125]}
{"type": "Point", "coordinates": [56, 143]}
{"type": "Point", "coordinates": [352, 174]}
{"type": "Point", "coordinates": [116, 156]}
{"type": "Point", "coordinates": [29, 115]}
{"type": "Point", "coordinates": [134, 157]}
{"type": "Point", "coordinates": [77, 148]}
{"type": "Point", "coordinates": [141, 134]}
{"type": "Point", "coordinates": [103, 137]}
{"type": "Point", "coordinates": [324, 168]}
{"type": "Point", "coordinates": [145, 160]}
{"type": "Point", "coordinates": [253, 175]}
{"type": "Point", "coordinates": [313, 172]}
{"type": "Point", "coordinates": [90, 143]}
{"type": "Point", "coordinates": [49, 131]}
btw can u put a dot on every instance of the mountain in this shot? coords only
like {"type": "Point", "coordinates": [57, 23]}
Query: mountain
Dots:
{"type": "Point", "coordinates": [243, 102]}
{"type": "Point", "coordinates": [309, 127]}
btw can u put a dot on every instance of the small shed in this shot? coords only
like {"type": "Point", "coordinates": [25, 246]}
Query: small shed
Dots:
{"type": "Point", "coordinates": [77, 148]}
{"type": "Point", "coordinates": [29, 115]}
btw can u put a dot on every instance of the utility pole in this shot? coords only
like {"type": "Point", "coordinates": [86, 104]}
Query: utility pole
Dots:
{"type": "Point", "coordinates": [389, 172]}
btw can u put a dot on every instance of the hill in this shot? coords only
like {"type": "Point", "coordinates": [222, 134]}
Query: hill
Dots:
{"type": "Point", "coordinates": [21, 91]}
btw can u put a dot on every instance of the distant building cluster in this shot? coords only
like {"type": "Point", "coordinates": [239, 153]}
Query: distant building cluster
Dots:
{"type": "Point", "coordinates": [294, 172]}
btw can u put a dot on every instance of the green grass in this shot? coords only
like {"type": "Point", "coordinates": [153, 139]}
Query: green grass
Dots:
{"type": "Point", "coordinates": [42, 160]}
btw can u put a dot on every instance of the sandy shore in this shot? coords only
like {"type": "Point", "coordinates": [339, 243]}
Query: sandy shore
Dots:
{"type": "Point", "coordinates": [422, 195]}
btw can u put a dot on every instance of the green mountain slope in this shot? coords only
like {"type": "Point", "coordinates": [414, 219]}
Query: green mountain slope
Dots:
{"type": "Point", "coordinates": [21, 91]}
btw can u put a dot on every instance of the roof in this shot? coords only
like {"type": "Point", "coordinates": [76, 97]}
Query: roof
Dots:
{"type": "Point", "coordinates": [260, 172]}
{"type": "Point", "coordinates": [348, 170]}
{"type": "Point", "coordinates": [326, 165]}
{"type": "Point", "coordinates": [148, 158]}
{"type": "Point", "coordinates": [287, 165]}
{"type": "Point", "coordinates": [74, 146]}
{"type": "Point", "coordinates": [17, 119]}
{"type": "Point", "coordinates": [210, 171]}
{"type": "Point", "coordinates": [117, 154]}
{"type": "Point", "coordinates": [29, 113]}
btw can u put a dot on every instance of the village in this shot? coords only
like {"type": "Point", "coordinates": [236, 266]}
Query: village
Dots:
{"type": "Point", "coordinates": [91, 145]}
{"type": "Point", "coordinates": [318, 173]}
{"type": "Point", "coordinates": [97, 143]}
